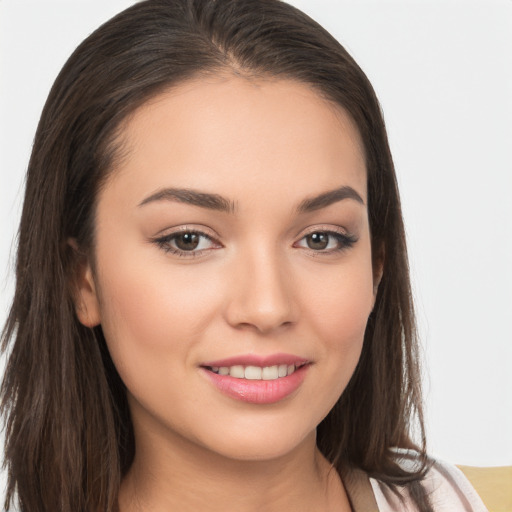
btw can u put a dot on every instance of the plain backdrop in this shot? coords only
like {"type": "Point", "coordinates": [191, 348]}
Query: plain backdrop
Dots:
{"type": "Point", "coordinates": [443, 73]}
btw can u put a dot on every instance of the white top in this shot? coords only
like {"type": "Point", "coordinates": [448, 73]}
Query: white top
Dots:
{"type": "Point", "coordinates": [449, 491]}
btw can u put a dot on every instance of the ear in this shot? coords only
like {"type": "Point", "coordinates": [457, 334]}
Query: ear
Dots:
{"type": "Point", "coordinates": [85, 294]}
{"type": "Point", "coordinates": [377, 277]}
{"type": "Point", "coordinates": [378, 270]}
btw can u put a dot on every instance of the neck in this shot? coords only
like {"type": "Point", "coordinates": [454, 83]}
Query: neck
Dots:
{"type": "Point", "coordinates": [180, 475]}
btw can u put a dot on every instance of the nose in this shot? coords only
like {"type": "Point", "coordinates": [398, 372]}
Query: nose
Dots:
{"type": "Point", "coordinates": [261, 295]}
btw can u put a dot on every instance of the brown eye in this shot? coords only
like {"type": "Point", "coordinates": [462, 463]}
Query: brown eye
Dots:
{"type": "Point", "coordinates": [326, 242]}
{"type": "Point", "coordinates": [187, 241]}
{"type": "Point", "coordinates": [317, 241]}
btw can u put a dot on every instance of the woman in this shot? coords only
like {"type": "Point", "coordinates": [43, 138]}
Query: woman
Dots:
{"type": "Point", "coordinates": [213, 306]}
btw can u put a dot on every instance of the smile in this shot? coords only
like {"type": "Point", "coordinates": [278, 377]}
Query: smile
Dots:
{"type": "Point", "coordinates": [256, 372]}
{"type": "Point", "coordinates": [257, 380]}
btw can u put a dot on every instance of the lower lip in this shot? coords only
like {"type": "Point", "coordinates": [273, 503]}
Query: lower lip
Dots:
{"type": "Point", "coordinates": [258, 391]}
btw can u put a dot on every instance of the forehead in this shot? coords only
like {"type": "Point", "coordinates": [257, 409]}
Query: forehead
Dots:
{"type": "Point", "coordinates": [231, 131]}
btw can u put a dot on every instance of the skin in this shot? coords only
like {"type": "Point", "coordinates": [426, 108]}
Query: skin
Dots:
{"type": "Point", "coordinates": [255, 287]}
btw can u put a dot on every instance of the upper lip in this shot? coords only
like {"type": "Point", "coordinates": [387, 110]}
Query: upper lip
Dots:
{"type": "Point", "coordinates": [257, 360]}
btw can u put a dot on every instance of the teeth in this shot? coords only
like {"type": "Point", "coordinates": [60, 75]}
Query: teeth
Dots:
{"type": "Point", "coordinates": [237, 372]}
{"type": "Point", "coordinates": [270, 373]}
{"type": "Point", "coordinates": [256, 372]}
{"type": "Point", "coordinates": [252, 373]}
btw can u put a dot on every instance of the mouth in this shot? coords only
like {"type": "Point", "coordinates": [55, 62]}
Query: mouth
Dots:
{"type": "Point", "coordinates": [257, 380]}
{"type": "Point", "coordinates": [251, 372]}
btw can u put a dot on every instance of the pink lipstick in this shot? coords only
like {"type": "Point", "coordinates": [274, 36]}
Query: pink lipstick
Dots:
{"type": "Point", "coordinates": [257, 379]}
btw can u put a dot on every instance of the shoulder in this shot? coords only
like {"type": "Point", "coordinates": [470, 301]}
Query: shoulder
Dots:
{"type": "Point", "coordinates": [447, 487]}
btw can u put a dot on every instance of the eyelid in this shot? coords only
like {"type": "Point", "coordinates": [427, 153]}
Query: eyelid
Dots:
{"type": "Point", "coordinates": [346, 239]}
{"type": "Point", "coordinates": [183, 228]}
{"type": "Point", "coordinates": [324, 228]}
{"type": "Point", "coordinates": [164, 238]}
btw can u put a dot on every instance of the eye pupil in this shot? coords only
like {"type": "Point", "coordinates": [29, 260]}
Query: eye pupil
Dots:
{"type": "Point", "coordinates": [317, 241]}
{"type": "Point", "coordinates": [187, 241]}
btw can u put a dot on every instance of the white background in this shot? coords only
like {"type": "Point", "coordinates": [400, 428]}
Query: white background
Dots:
{"type": "Point", "coordinates": [443, 73]}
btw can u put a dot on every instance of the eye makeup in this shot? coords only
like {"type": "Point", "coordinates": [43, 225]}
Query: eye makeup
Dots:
{"type": "Point", "coordinates": [187, 243]}
{"type": "Point", "coordinates": [190, 242]}
{"type": "Point", "coordinates": [326, 241]}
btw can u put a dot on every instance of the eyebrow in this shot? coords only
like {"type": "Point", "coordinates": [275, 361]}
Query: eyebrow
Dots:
{"type": "Point", "coordinates": [193, 197]}
{"type": "Point", "coordinates": [327, 198]}
{"type": "Point", "coordinates": [219, 203]}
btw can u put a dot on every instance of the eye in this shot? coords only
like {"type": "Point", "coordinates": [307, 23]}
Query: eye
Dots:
{"type": "Point", "coordinates": [326, 241]}
{"type": "Point", "coordinates": [187, 243]}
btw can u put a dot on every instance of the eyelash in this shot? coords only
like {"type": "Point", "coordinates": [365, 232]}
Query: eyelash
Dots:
{"type": "Point", "coordinates": [164, 243]}
{"type": "Point", "coordinates": [344, 242]}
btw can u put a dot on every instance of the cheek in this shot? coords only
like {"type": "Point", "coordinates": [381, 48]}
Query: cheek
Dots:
{"type": "Point", "coordinates": [341, 302]}
{"type": "Point", "coordinates": [146, 300]}
{"type": "Point", "coordinates": [151, 325]}
{"type": "Point", "coordinates": [152, 314]}
{"type": "Point", "coordinates": [341, 326]}
{"type": "Point", "coordinates": [339, 305]}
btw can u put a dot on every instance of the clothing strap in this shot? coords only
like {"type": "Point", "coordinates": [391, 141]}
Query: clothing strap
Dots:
{"type": "Point", "coordinates": [359, 490]}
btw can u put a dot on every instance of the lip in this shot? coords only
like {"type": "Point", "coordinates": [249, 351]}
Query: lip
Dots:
{"type": "Point", "coordinates": [258, 391]}
{"type": "Point", "coordinates": [256, 360]}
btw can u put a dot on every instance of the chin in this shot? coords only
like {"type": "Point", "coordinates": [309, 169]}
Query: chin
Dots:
{"type": "Point", "coordinates": [262, 445]}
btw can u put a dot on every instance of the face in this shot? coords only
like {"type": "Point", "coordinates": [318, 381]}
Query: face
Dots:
{"type": "Point", "coordinates": [233, 274]}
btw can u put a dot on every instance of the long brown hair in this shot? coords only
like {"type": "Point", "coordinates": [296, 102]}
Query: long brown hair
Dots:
{"type": "Point", "coordinates": [69, 438]}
